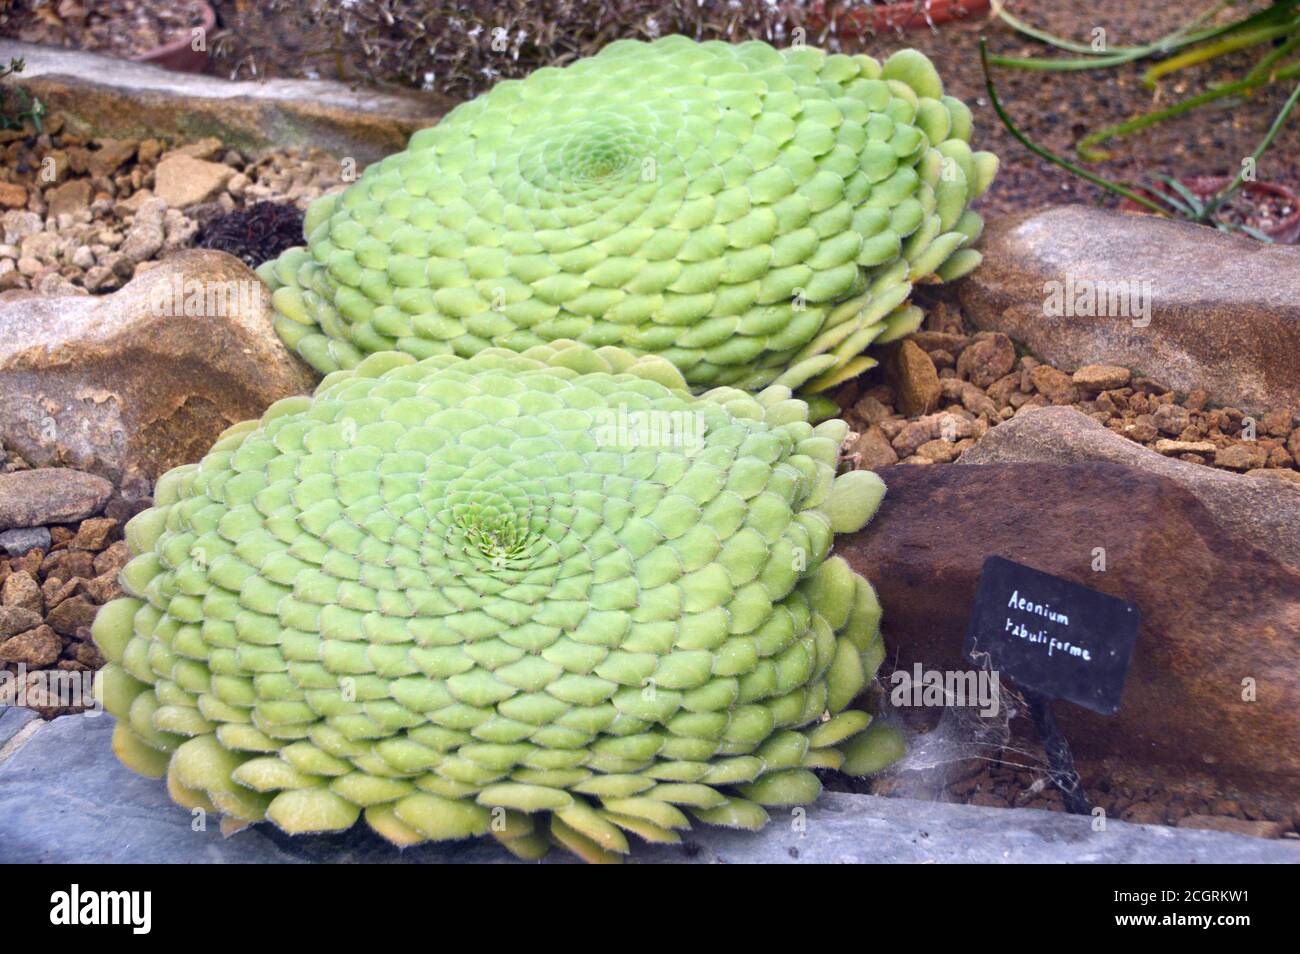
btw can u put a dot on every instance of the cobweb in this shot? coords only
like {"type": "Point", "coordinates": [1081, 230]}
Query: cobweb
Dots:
{"type": "Point", "coordinates": [954, 740]}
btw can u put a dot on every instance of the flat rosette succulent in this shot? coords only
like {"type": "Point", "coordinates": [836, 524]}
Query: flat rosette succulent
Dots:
{"type": "Point", "coordinates": [464, 597]}
{"type": "Point", "coordinates": [753, 215]}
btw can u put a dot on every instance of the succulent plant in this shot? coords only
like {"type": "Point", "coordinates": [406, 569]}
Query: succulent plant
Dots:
{"type": "Point", "coordinates": [548, 596]}
{"type": "Point", "coordinates": [753, 215]}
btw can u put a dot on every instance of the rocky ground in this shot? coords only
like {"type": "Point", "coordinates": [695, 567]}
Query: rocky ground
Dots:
{"type": "Point", "coordinates": [82, 215]}
{"type": "Point", "coordinates": [942, 389]}
{"type": "Point", "coordinates": [121, 27]}
{"type": "Point", "coordinates": [56, 569]}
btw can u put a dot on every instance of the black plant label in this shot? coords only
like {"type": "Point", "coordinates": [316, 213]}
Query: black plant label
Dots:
{"type": "Point", "coordinates": [1051, 635]}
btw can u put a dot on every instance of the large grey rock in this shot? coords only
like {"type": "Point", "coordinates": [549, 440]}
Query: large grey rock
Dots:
{"type": "Point", "coordinates": [1265, 513]}
{"type": "Point", "coordinates": [64, 797]}
{"type": "Point", "coordinates": [1224, 310]}
{"type": "Point", "coordinates": [131, 384]}
{"type": "Point", "coordinates": [105, 96]}
{"type": "Point", "coordinates": [12, 720]}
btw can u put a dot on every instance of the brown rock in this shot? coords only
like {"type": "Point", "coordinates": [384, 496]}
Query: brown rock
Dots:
{"type": "Point", "coordinates": [1174, 448]}
{"type": "Point", "coordinates": [36, 647]}
{"type": "Point", "coordinates": [1234, 826]}
{"type": "Point", "coordinates": [112, 559]}
{"type": "Point", "coordinates": [873, 449]}
{"type": "Point", "coordinates": [34, 498]}
{"type": "Point", "coordinates": [102, 589]}
{"type": "Point", "coordinates": [1027, 403]}
{"type": "Point", "coordinates": [54, 591]}
{"type": "Point", "coordinates": [1277, 423]}
{"type": "Point", "coordinates": [913, 435]}
{"type": "Point", "coordinates": [121, 388]}
{"type": "Point", "coordinates": [1172, 418]}
{"type": "Point", "coordinates": [1215, 609]}
{"type": "Point", "coordinates": [938, 451]}
{"type": "Point", "coordinates": [205, 148]}
{"type": "Point", "coordinates": [182, 180]}
{"type": "Point", "coordinates": [1244, 456]}
{"type": "Point", "coordinates": [986, 359]}
{"type": "Point", "coordinates": [871, 410]}
{"type": "Point", "coordinates": [943, 360]}
{"type": "Point", "coordinates": [67, 564]}
{"type": "Point", "coordinates": [947, 341]}
{"type": "Point", "coordinates": [1101, 377]}
{"type": "Point", "coordinates": [29, 563]}
{"type": "Point", "coordinates": [13, 195]}
{"type": "Point", "coordinates": [110, 155]}
{"type": "Point", "coordinates": [71, 613]}
{"type": "Point", "coordinates": [913, 377]}
{"type": "Point", "coordinates": [977, 402]}
{"type": "Point", "coordinates": [1141, 429]}
{"type": "Point", "coordinates": [1056, 386]}
{"type": "Point", "coordinates": [1000, 391]}
{"type": "Point", "coordinates": [16, 619]}
{"type": "Point", "coordinates": [1224, 311]}
{"type": "Point", "coordinates": [20, 589]}
{"type": "Point", "coordinates": [1262, 512]}
{"type": "Point", "coordinates": [94, 534]}
{"type": "Point", "coordinates": [72, 196]}
{"type": "Point", "coordinates": [88, 655]}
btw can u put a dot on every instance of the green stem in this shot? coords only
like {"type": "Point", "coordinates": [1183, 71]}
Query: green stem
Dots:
{"type": "Point", "coordinates": [1089, 154]}
{"type": "Point", "coordinates": [1047, 154]}
{"type": "Point", "coordinates": [1065, 66]}
{"type": "Point", "coordinates": [1265, 65]}
{"type": "Point", "coordinates": [1224, 194]}
{"type": "Point", "coordinates": [1185, 35]}
{"type": "Point", "coordinates": [1210, 51]}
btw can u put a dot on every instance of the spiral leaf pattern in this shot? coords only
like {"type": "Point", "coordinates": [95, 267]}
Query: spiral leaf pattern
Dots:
{"type": "Point", "coordinates": [753, 215]}
{"type": "Point", "coordinates": [551, 597]}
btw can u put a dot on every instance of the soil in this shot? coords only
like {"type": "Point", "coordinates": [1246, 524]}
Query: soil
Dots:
{"type": "Point", "coordinates": [1056, 110]}
{"type": "Point", "coordinates": [124, 28]}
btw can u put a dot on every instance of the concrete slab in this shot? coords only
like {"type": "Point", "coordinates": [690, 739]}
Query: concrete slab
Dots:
{"type": "Point", "coordinates": [64, 797]}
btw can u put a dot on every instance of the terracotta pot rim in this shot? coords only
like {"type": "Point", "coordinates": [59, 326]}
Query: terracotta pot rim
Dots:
{"type": "Point", "coordinates": [1285, 232]}
{"type": "Point", "coordinates": [900, 15]}
{"type": "Point", "coordinates": [166, 50]}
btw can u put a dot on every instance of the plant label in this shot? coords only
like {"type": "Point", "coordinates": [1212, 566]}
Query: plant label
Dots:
{"type": "Point", "coordinates": [1051, 635]}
